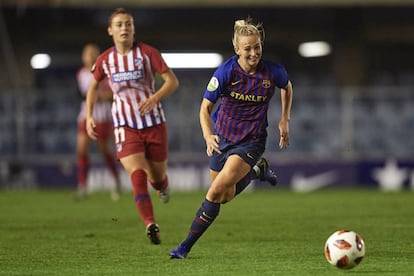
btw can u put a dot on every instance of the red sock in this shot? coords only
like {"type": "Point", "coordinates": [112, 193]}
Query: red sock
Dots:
{"type": "Point", "coordinates": [159, 186]}
{"type": "Point", "coordinates": [141, 196]}
{"type": "Point", "coordinates": [83, 168]}
{"type": "Point", "coordinates": [111, 163]}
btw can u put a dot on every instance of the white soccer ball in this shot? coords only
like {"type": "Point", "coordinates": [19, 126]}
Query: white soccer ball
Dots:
{"type": "Point", "coordinates": [344, 249]}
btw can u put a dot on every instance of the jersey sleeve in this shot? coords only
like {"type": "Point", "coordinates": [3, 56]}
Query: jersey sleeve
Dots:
{"type": "Point", "coordinates": [282, 77]}
{"type": "Point", "coordinates": [216, 85]}
{"type": "Point", "coordinates": [158, 64]}
{"type": "Point", "coordinates": [97, 68]}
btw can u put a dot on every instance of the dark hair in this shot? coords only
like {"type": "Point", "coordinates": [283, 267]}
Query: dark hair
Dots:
{"type": "Point", "coordinates": [116, 12]}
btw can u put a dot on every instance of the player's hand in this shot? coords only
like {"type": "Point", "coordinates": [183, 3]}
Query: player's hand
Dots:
{"type": "Point", "coordinates": [212, 144]}
{"type": "Point", "coordinates": [147, 105]}
{"type": "Point", "coordinates": [284, 134]}
{"type": "Point", "coordinates": [90, 128]}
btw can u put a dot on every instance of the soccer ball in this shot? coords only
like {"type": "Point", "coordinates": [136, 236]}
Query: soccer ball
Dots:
{"type": "Point", "coordinates": [344, 249]}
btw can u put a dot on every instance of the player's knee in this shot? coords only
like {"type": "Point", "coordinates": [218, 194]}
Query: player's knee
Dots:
{"type": "Point", "coordinates": [214, 194]}
{"type": "Point", "coordinates": [228, 196]}
{"type": "Point", "coordinates": [220, 194]}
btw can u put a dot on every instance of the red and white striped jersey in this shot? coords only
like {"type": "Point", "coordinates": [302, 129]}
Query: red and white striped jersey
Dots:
{"type": "Point", "coordinates": [102, 109]}
{"type": "Point", "coordinates": [131, 78]}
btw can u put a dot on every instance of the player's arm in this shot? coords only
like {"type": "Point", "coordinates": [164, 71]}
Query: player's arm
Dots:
{"type": "Point", "coordinates": [170, 84]}
{"type": "Point", "coordinates": [286, 96]}
{"type": "Point", "coordinates": [91, 97]}
{"type": "Point", "coordinates": [207, 128]}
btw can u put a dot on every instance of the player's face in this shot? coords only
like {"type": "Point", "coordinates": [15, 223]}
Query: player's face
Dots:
{"type": "Point", "coordinates": [249, 50]}
{"type": "Point", "coordinates": [89, 55]}
{"type": "Point", "coordinates": [122, 29]}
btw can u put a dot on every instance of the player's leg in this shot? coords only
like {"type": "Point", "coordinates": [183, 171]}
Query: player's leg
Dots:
{"type": "Point", "coordinates": [157, 177]}
{"type": "Point", "coordinates": [105, 131]}
{"type": "Point", "coordinates": [250, 153]}
{"type": "Point", "coordinates": [136, 165]}
{"type": "Point", "coordinates": [261, 170]}
{"type": "Point", "coordinates": [131, 153]}
{"type": "Point", "coordinates": [110, 162]}
{"type": "Point", "coordinates": [223, 186]}
{"type": "Point", "coordinates": [157, 153]}
{"type": "Point", "coordinates": [221, 191]}
{"type": "Point", "coordinates": [264, 172]}
{"type": "Point", "coordinates": [244, 182]}
{"type": "Point", "coordinates": [82, 159]}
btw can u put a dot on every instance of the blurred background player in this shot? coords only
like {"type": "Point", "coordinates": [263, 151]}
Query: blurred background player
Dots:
{"type": "Point", "coordinates": [245, 84]}
{"type": "Point", "coordinates": [140, 124]}
{"type": "Point", "coordinates": [103, 120]}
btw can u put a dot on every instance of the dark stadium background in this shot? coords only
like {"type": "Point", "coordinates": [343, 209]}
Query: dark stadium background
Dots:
{"type": "Point", "coordinates": [352, 120]}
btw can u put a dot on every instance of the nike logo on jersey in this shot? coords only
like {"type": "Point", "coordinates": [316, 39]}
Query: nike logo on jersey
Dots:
{"type": "Point", "coordinates": [249, 155]}
{"type": "Point", "coordinates": [235, 82]}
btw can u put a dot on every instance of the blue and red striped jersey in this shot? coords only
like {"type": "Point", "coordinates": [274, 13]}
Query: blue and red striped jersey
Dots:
{"type": "Point", "coordinates": [244, 98]}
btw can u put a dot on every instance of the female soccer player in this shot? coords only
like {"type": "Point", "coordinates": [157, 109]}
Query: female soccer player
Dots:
{"type": "Point", "coordinates": [245, 83]}
{"type": "Point", "coordinates": [139, 121]}
{"type": "Point", "coordinates": [103, 120]}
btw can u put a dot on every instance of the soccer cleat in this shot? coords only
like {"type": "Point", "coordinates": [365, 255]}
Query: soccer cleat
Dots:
{"type": "Point", "coordinates": [116, 193]}
{"type": "Point", "coordinates": [81, 193]}
{"type": "Point", "coordinates": [153, 233]}
{"type": "Point", "coordinates": [265, 172]}
{"type": "Point", "coordinates": [164, 195]}
{"type": "Point", "coordinates": [179, 253]}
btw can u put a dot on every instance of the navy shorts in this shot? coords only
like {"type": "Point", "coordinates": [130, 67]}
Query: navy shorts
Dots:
{"type": "Point", "coordinates": [250, 150]}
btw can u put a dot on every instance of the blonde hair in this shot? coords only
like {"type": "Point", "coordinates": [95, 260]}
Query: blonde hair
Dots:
{"type": "Point", "coordinates": [246, 27]}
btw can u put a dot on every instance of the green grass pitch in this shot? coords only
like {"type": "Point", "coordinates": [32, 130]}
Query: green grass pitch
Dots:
{"type": "Point", "coordinates": [266, 232]}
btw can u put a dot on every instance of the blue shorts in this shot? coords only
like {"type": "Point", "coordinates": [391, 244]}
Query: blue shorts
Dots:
{"type": "Point", "coordinates": [250, 150]}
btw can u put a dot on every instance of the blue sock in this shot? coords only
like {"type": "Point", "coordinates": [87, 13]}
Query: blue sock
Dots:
{"type": "Point", "coordinates": [203, 219]}
{"type": "Point", "coordinates": [242, 184]}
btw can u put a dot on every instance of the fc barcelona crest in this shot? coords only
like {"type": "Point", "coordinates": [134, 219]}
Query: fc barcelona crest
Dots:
{"type": "Point", "coordinates": [266, 83]}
